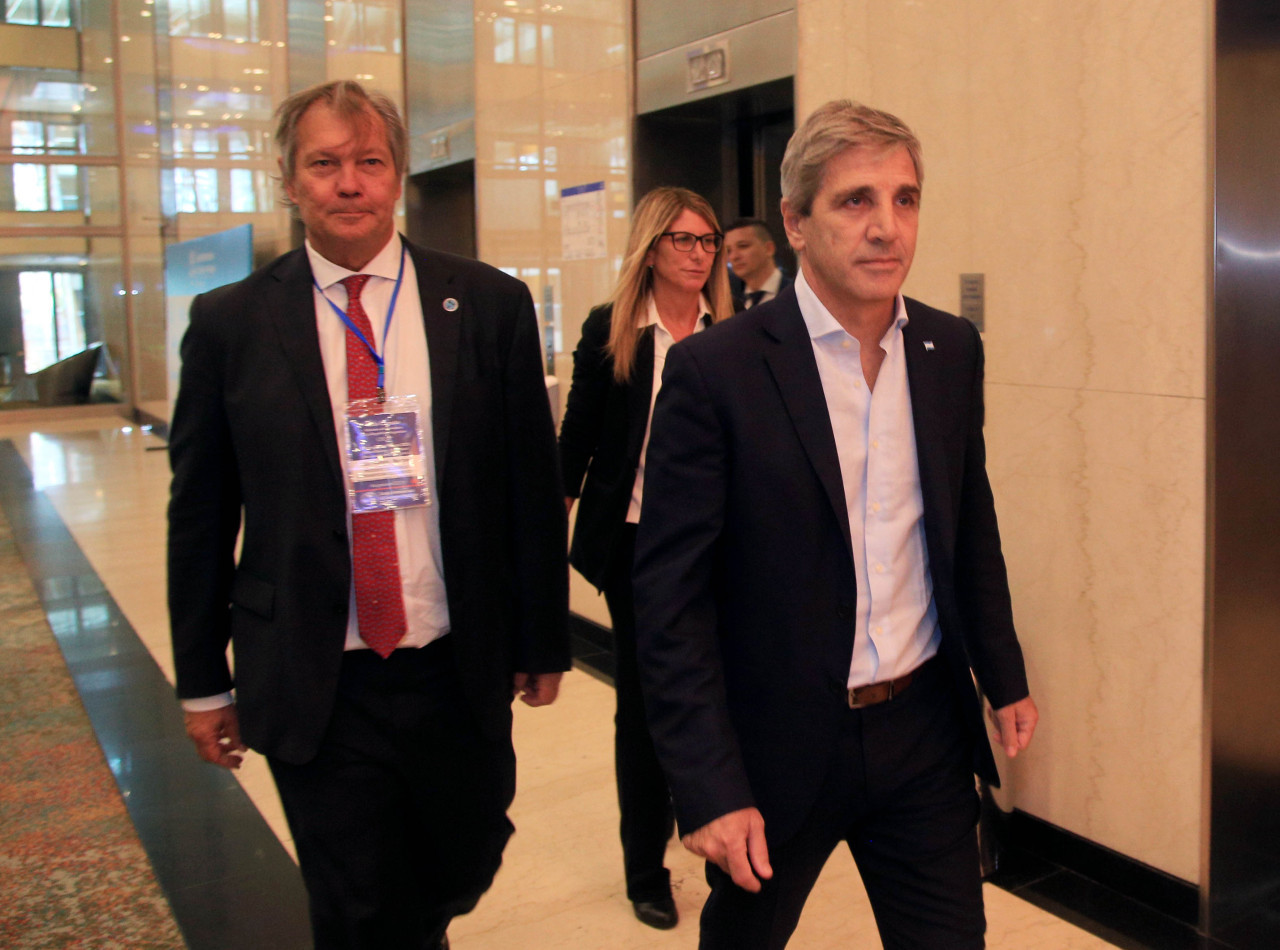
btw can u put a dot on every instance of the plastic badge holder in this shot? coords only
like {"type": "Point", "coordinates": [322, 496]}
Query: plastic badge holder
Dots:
{"type": "Point", "coordinates": [385, 464]}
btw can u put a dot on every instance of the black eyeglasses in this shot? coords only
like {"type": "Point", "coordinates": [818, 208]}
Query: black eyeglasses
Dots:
{"type": "Point", "coordinates": [684, 240]}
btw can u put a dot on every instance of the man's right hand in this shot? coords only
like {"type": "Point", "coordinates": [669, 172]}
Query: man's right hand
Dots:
{"type": "Point", "coordinates": [735, 842]}
{"type": "Point", "coordinates": [216, 734]}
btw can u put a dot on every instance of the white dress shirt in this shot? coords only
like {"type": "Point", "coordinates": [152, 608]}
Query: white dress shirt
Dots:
{"type": "Point", "coordinates": [768, 290]}
{"type": "Point", "coordinates": [897, 622]}
{"type": "Point", "coordinates": [662, 341]}
{"type": "Point", "coordinates": [408, 372]}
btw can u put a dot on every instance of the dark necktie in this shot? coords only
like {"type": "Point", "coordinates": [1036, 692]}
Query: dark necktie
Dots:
{"type": "Point", "coordinates": [754, 297]}
{"type": "Point", "coordinates": [379, 601]}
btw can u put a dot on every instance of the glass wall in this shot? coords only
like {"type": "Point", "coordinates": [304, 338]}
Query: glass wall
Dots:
{"type": "Point", "coordinates": [62, 321]}
{"type": "Point", "coordinates": [62, 338]}
{"type": "Point", "coordinates": [124, 127]}
{"type": "Point", "coordinates": [129, 125]}
{"type": "Point", "coordinates": [227, 72]}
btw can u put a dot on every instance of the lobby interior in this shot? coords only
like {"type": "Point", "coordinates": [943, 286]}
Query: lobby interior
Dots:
{"type": "Point", "coordinates": [1110, 173]}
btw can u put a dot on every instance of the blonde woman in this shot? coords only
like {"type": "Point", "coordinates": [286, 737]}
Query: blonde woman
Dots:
{"type": "Point", "coordinates": [674, 283]}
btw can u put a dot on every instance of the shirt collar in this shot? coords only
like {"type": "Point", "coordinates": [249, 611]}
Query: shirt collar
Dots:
{"type": "Point", "coordinates": [772, 283]}
{"type": "Point", "coordinates": [652, 319]}
{"type": "Point", "coordinates": [820, 322]}
{"type": "Point", "coordinates": [386, 263]}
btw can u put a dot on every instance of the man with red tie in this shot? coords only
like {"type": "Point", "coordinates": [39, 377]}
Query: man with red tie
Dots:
{"type": "Point", "coordinates": [369, 419]}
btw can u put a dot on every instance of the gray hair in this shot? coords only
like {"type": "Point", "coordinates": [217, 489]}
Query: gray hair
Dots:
{"type": "Point", "coordinates": [350, 101]}
{"type": "Point", "coordinates": [835, 127]}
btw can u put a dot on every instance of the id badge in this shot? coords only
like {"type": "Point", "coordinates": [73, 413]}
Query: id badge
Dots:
{"type": "Point", "coordinates": [384, 459]}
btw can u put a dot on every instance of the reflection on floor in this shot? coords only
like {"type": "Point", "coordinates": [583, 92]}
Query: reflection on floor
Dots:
{"type": "Point", "coordinates": [560, 885]}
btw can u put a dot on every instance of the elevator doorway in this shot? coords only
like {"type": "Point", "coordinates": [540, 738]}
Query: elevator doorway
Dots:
{"type": "Point", "coordinates": [440, 208]}
{"type": "Point", "coordinates": [727, 148]}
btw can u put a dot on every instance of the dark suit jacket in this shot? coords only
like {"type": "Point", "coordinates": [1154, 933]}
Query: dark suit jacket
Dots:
{"type": "Point", "coordinates": [738, 289]}
{"type": "Point", "coordinates": [744, 576]}
{"type": "Point", "coordinates": [253, 432]}
{"type": "Point", "coordinates": [601, 438]}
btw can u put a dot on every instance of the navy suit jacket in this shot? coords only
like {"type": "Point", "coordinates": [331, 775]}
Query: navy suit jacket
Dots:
{"type": "Point", "coordinates": [744, 575]}
{"type": "Point", "coordinates": [600, 442]}
{"type": "Point", "coordinates": [253, 448]}
{"type": "Point", "coordinates": [738, 289]}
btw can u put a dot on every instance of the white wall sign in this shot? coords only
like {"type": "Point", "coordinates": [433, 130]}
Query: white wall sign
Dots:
{"type": "Point", "coordinates": [582, 222]}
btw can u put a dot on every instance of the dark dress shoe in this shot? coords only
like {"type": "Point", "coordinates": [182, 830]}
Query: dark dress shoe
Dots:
{"type": "Point", "coordinates": [659, 914]}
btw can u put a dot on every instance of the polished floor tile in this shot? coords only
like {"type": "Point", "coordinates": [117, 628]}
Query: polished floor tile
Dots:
{"type": "Point", "coordinates": [212, 852]}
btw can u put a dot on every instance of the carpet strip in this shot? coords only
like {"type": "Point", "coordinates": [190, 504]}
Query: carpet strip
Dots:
{"type": "Point", "coordinates": [72, 870]}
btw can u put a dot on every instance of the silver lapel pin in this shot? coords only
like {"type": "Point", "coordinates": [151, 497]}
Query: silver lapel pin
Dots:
{"type": "Point", "coordinates": [928, 346]}
{"type": "Point", "coordinates": [450, 304]}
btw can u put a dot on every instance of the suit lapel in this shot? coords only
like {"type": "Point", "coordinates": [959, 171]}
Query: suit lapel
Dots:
{"type": "Point", "coordinates": [293, 313]}
{"type": "Point", "coordinates": [443, 328]}
{"type": "Point", "coordinates": [640, 394]}
{"type": "Point", "coordinates": [789, 356]}
{"type": "Point", "coordinates": [925, 372]}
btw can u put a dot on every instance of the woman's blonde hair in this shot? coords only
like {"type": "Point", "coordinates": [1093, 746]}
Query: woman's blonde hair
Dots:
{"type": "Point", "coordinates": [654, 215]}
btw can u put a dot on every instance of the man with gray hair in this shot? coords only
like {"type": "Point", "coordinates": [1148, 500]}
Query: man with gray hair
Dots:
{"type": "Point", "coordinates": [370, 419]}
{"type": "Point", "coordinates": [819, 576]}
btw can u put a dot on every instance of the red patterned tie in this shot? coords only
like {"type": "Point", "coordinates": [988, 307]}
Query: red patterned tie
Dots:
{"type": "Point", "coordinates": [379, 602]}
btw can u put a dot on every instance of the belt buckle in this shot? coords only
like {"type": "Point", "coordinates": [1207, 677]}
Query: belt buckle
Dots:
{"type": "Point", "coordinates": [882, 692]}
{"type": "Point", "coordinates": [856, 703]}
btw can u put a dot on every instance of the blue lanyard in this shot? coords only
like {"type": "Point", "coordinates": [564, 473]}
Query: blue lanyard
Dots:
{"type": "Point", "coordinates": [378, 361]}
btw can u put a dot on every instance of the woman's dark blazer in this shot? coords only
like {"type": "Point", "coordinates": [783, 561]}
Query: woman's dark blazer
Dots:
{"type": "Point", "coordinates": [601, 439]}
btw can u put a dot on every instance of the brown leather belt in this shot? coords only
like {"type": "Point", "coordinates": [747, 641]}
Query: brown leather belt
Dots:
{"type": "Point", "coordinates": [860, 697]}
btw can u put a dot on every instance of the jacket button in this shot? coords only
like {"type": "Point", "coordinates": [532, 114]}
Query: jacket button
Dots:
{"type": "Point", "coordinates": [339, 609]}
{"type": "Point", "coordinates": [340, 534]}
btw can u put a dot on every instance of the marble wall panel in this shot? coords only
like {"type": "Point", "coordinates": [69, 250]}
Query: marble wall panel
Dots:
{"type": "Point", "coordinates": [561, 120]}
{"type": "Point", "coordinates": [1101, 497]}
{"type": "Point", "coordinates": [550, 116]}
{"type": "Point", "coordinates": [1066, 158]}
{"type": "Point", "coordinates": [1065, 153]}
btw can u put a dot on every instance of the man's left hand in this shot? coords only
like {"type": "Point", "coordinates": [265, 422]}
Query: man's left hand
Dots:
{"type": "Point", "coordinates": [537, 689]}
{"type": "Point", "coordinates": [216, 734]}
{"type": "Point", "coordinates": [1014, 725]}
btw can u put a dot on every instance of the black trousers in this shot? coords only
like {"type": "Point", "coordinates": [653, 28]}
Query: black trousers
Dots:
{"type": "Point", "coordinates": [400, 820]}
{"type": "Point", "coordinates": [900, 793]}
{"type": "Point", "coordinates": [644, 801]}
